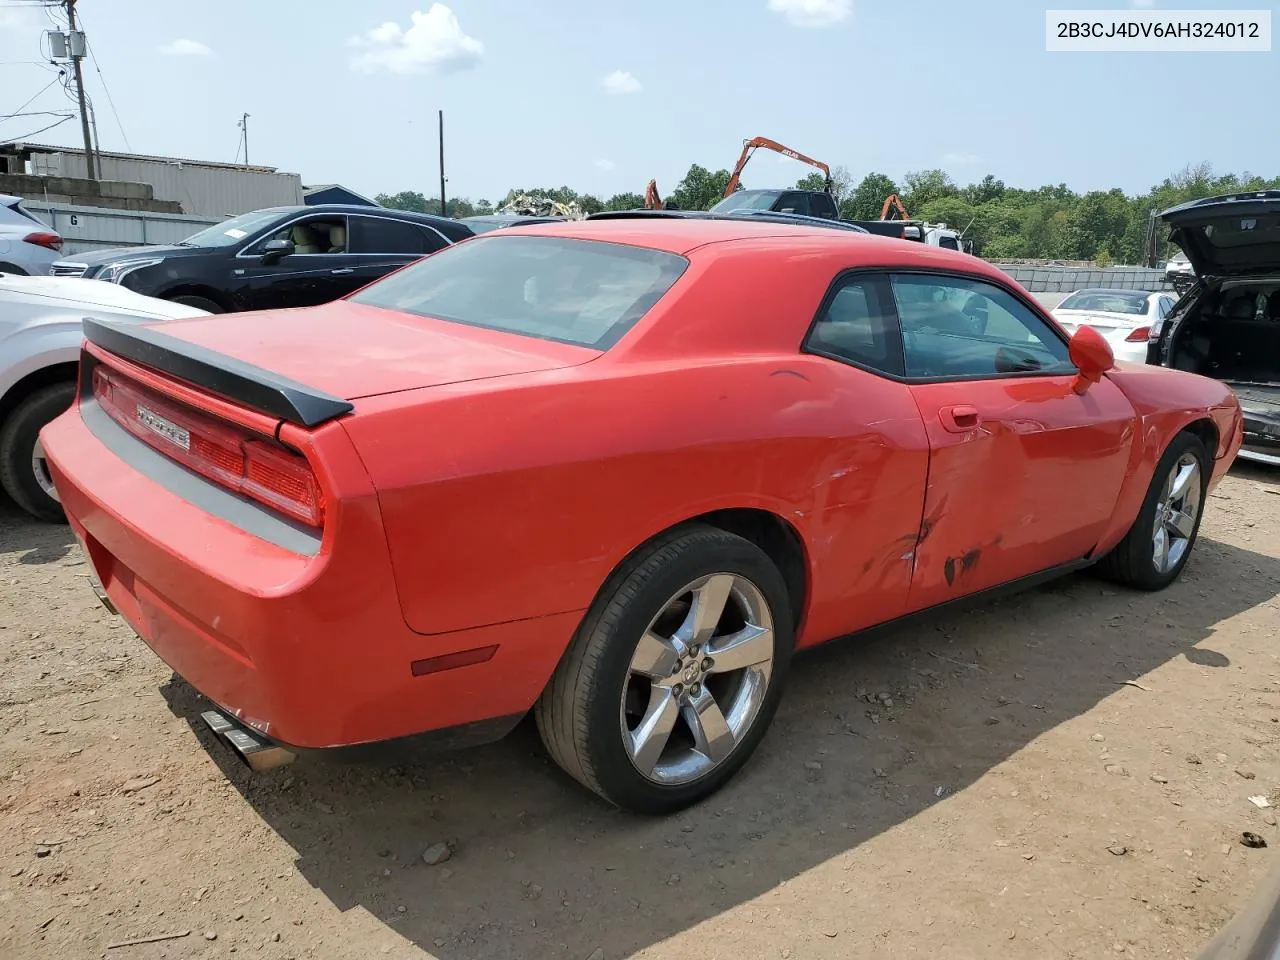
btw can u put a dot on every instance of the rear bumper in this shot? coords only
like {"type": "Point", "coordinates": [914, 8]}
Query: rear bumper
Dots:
{"type": "Point", "coordinates": [311, 651]}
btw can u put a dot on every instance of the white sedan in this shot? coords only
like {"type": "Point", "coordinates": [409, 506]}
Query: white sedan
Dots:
{"type": "Point", "coordinates": [1123, 317]}
{"type": "Point", "coordinates": [40, 335]}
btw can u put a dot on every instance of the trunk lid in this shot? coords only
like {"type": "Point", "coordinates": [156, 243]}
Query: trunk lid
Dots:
{"type": "Point", "coordinates": [1233, 234]}
{"type": "Point", "coordinates": [1104, 323]}
{"type": "Point", "coordinates": [350, 350]}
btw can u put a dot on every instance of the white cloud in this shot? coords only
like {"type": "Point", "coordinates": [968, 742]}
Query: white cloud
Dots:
{"type": "Point", "coordinates": [185, 48]}
{"type": "Point", "coordinates": [433, 41]}
{"type": "Point", "coordinates": [605, 164]}
{"type": "Point", "coordinates": [965, 158]}
{"type": "Point", "coordinates": [620, 81]}
{"type": "Point", "coordinates": [813, 13]}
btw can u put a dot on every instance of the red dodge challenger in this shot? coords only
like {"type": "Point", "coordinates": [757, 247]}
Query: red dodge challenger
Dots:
{"type": "Point", "coordinates": [615, 472]}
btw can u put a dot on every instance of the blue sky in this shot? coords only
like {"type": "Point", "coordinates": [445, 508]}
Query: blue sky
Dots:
{"type": "Point", "coordinates": [347, 92]}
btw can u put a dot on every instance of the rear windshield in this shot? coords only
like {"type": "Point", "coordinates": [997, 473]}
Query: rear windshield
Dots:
{"type": "Point", "coordinates": [1106, 301]}
{"type": "Point", "coordinates": [583, 292]}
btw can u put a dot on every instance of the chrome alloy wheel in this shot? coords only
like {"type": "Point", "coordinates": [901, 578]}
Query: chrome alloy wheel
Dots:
{"type": "Point", "coordinates": [40, 467]}
{"type": "Point", "coordinates": [697, 679]}
{"type": "Point", "coordinates": [1176, 513]}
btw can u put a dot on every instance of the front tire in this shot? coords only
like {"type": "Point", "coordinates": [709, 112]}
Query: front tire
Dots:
{"type": "Point", "coordinates": [675, 673]}
{"type": "Point", "coordinates": [24, 471]}
{"type": "Point", "coordinates": [1158, 545]}
{"type": "Point", "coordinates": [200, 303]}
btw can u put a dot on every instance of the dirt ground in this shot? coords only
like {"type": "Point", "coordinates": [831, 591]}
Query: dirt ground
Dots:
{"type": "Point", "coordinates": [988, 785]}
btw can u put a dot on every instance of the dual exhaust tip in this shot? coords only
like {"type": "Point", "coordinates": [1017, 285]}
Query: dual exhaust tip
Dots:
{"type": "Point", "coordinates": [257, 753]}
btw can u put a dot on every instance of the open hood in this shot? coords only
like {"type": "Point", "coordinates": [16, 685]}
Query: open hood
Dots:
{"type": "Point", "coordinates": [1233, 234]}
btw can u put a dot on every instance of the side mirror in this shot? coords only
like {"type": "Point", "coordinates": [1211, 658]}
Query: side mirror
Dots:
{"type": "Point", "coordinates": [276, 249]}
{"type": "Point", "coordinates": [1092, 357]}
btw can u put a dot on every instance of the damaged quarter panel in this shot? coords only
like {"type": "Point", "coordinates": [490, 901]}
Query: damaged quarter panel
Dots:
{"type": "Point", "coordinates": [516, 498]}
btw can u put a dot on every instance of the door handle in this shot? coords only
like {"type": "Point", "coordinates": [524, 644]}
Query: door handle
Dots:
{"type": "Point", "coordinates": [959, 419]}
{"type": "Point", "coordinates": [341, 271]}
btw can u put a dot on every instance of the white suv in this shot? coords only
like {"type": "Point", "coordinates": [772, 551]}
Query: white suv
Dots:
{"type": "Point", "coordinates": [27, 246]}
{"type": "Point", "coordinates": [40, 336]}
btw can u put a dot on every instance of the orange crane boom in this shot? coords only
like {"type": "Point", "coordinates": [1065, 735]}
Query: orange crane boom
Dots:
{"type": "Point", "coordinates": [752, 146]}
{"type": "Point", "coordinates": [891, 202]}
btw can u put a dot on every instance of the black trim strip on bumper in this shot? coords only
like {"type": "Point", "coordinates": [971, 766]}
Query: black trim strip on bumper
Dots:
{"type": "Point", "coordinates": [228, 377]}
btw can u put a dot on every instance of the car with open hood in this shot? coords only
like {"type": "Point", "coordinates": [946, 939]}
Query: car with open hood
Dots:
{"type": "Point", "coordinates": [1227, 326]}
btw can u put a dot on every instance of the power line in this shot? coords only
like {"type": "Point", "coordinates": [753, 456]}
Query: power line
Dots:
{"type": "Point", "coordinates": [33, 98]}
{"type": "Point", "coordinates": [107, 91]}
{"type": "Point", "coordinates": [33, 133]}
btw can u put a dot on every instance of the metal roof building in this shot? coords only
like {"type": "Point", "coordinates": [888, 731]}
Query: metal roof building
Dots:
{"type": "Point", "coordinates": [201, 187]}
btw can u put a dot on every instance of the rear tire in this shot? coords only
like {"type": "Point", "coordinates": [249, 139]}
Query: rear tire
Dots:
{"type": "Point", "coordinates": [23, 470]}
{"type": "Point", "coordinates": [675, 673]}
{"type": "Point", "coordinates": [14, 269]}
{"type": "Point", "coordinates": [1158, 545]}
{"type": "Point", "coordinates": [200, 303]}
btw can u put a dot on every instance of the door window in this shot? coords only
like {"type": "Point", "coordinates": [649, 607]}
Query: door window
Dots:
{"type": "Point", "coordinates": [963, 328]}
{"type": "Point", "coordinates": [856, 325]}
{"type": "Point", "coordinates": [795, 203]}
{"type": "Point", "coordinates": [310, 236]}
{"type": "Point", "coordinates": [1166, 304]}
{"type": "Point", "coordinates": [380, 235]}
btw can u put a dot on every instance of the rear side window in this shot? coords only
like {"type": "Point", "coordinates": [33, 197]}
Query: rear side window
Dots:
{"type": "Point", "coordinates": [583, 292]}
{"type": "Point", "coordinates": [948, 243]}
{"type": "Point", "coordinates": [857, 325]}
{"type": "Point", "coordinates": [377, 235]}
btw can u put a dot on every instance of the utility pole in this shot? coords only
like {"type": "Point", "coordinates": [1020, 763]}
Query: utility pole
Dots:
{"type": "Point", "coordinates": [244, 127]}
{"type": "Point", "coordinates": [75, 66]}
{"type": "Point", "coordinates": [442, 203]}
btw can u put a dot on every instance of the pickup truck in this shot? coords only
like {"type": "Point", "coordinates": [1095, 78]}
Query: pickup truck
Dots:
{"type": "Point", "coordinates": [819, 203]}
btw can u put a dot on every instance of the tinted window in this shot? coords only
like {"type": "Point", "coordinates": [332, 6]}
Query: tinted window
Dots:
{"type": "Point", "coordinates": [948, 243]}
{"type": "Point", "coordinates": [955, 327]}
{"type": "Point", "coordinates": [584, 292]}
{"type": "Point", "coordinates": [376, 235]}
{"type": "Point", "coordinates": [794, 203]}
{"type": "Point", "coordinates": [856, 325]}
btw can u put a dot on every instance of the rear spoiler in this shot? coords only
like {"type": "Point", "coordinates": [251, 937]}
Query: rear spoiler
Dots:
{"type": "Point", "coordinates": [237, 381]}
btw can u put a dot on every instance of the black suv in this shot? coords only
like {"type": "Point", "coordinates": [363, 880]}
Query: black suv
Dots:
{"type": "Point", "coordinates": [279, 257]}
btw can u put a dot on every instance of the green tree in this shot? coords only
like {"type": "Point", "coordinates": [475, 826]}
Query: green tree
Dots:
{"type": "Point", "coordinates": [624, 201]}
{"type": "Point", "coordinates": [590, 203]}
{"type": "Point", "coordinates": [410, 200]}
{"type": "Point", "coordinates": [814, 181]}
{"type": "Point", "coordinates": [925, 185]}
{"type": "Point", "coordinates": [867, 198]}
{"type": "Point", "coordinates": [700, 189]}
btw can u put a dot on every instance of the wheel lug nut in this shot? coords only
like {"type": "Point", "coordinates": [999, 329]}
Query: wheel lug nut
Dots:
{"type": "Point", "coordinates": [708, 663]}
{"type": "Point", "coordinates": [677, 689]}
{"type": "Point", "coordinates": [695, 690]}
{"type": "Point", "coordinates": [693, 651]}
{"type": "Point", "coordinates": [675, 671]}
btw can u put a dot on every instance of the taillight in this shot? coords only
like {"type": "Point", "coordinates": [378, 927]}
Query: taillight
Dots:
{"type": "Point", "coordinates": [253, 466]}
{"type": "Point", "coordinates": [1138, 336]}
{"type": "Point", "coordinates": [49, 240]}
